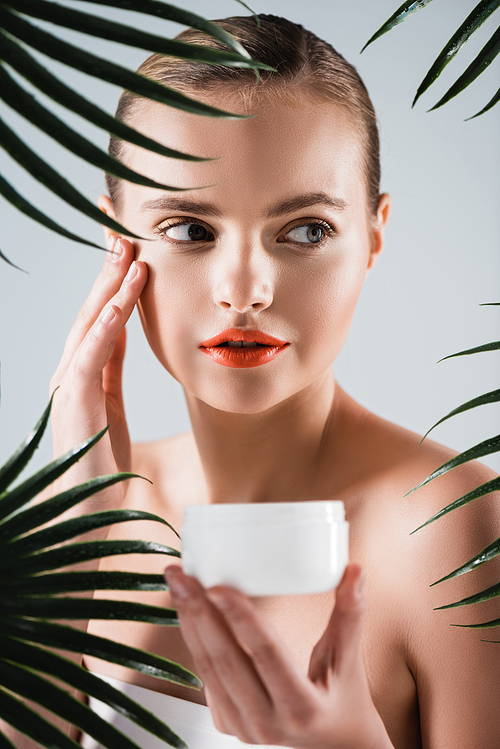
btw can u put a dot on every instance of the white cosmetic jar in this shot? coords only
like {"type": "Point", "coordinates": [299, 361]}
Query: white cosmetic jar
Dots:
{"type": "Point", "coordinates": [267, 549]}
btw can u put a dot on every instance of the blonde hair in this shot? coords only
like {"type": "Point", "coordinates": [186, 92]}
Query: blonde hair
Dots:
{"type": "Point", "coordinates": [303, 63]}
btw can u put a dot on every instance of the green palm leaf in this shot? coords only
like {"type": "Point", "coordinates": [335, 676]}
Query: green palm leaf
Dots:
{"type": "Point", "coordinates": [15, 499]}
{"type": "Point", "coordinates": [485, 595]}
{"type": "Point", "coordinates": [490, 552]}
{"type": "Point", "coordinates": [71, 582]}
{"type": "Point", "coordinates": [484, 448]}
{"type": "Point", "coordinates": [26, 683]}
{"type": "Point", "coordinates": [403, 12]}
{"type": "Point", "coordinates": [493, 346]}
{"type": "Point", "coordinates": [83, 609]}
{"type": "Point", "coordinates": [51, 508]}
{"type": "Point", "coordinates": [27, 106]}
{"type": "Point", "coordinates": [29, 68]}
{"type": "Point", "coordinates": [78, 553]}
{"type": "Point", "coordinates": [61, 532]}
{"type": "Point", "coordinates": [17, 200]}
{"type": "Point", "coordinates": [9, 262]}
{"type": "Point", "coordinates": [494, 100]}
{"type": "Point", "coordinates": [27, 721]}
{"type": "Point", "coordinates": [480, 491]}
{"type": "Point", "coordinates": [484, 625]}
{"type": "Point", "coordinates": [41, 171]}
{"type": "Point", "coordinates": [28, 655]}
{"type": "Point", "coordinates": [73, 640]}
{"type": "Point", "coordinates": [22, 456]}
{"type": "Point", "coordinates": [481, 400]}
{"type": "Point", "coordinates": [480, 450]}
{"type": "Point", "coordinates": [477, 66]}
{"type": "Point", "coordinates": [30, 596]}
{"type": "Point", "coordinates": [98, 67]}
{"type": "Point", "coordinates": [474, 21]}
{"type": "Point", "coordinates": [249, 8]}
{"type": "Point", "coordinates": [21, 34]}
{"type": "Point", "coordinates": [100, 27]}
{"type": "Point", "coordinates": [178, 15]}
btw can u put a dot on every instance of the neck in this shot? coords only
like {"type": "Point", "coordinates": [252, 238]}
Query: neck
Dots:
{"type": "Point", "coordinates": [271, 456]}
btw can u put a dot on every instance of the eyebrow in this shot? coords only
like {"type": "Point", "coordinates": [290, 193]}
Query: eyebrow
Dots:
{"type": "Point", "coordinates": [180, 204]}
{"type": "Point", "coordinates": [304, 201]}
{"type": "Point", "coordinates": [290, 205]}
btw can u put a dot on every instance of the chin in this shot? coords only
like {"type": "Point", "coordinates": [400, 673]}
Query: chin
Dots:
{"type": "Point", "coordinates": [254, 398]}
{"type": "Point", "coordinates": [241, 404]}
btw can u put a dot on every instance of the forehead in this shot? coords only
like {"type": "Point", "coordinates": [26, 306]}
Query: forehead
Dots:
{"type": "Point", "coordinates": [290, 146]}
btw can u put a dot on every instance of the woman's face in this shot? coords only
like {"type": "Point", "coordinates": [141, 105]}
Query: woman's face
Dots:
{"type": "Point", "coordinates": [279, 241]}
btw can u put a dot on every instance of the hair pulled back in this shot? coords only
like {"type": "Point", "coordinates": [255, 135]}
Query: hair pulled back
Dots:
{"type": "Point", "coordinates": [303, 63]}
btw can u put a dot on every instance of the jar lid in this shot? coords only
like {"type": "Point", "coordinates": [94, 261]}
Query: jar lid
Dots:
{"type": "Point", "coordinates": [264, 512]}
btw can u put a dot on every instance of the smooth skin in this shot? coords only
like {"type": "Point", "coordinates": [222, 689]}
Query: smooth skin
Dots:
{"type": "Point", "coordinates": [342, 669]}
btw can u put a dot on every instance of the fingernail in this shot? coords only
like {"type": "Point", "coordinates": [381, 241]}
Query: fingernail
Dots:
{"type": "Point", "coordinates": [177, 588]}
{"type": "Point", "coordinates": [117, 250]}
{"type": "Point", "coordinates": [107, 316]}
{"type": "Point", "coordinates": [114, 249]}
{"type": "Point", "coordinates": [132, 272]}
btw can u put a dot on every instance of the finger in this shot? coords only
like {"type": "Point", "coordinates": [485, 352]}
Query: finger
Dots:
{"type": "Point", "coordinates": [96, 349]}
{"type": "Point", "coordinates": [273, 661]}
{"type": "Point", "coordinates": [112, 373]}
{"type": "Point", "coordinates": [225, 669]}
{"type": "Point", "coordinates": [339, 647]}
{"type": "Point", "coordinates": [107, 284]}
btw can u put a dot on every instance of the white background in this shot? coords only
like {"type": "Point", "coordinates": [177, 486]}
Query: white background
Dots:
{"type": "Point", "coordinates": [422, 302]}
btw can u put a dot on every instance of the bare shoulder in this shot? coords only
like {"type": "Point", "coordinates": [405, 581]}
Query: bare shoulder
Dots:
{"type": "Point", "coordinates": [396, 462]}
{"type": "Point", "coordinates": [456, 673]}
{"type": "Point", "coordinates": [385, 455]}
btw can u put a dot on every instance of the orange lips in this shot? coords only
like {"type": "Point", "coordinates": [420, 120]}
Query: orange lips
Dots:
{"type": "Point", "coordinates": [228, 348]}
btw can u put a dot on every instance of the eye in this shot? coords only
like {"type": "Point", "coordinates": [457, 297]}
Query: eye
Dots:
{"type": "Point", "coordinates": [187, 231]}
{"type": "Point", "coordinates": [309, 233]}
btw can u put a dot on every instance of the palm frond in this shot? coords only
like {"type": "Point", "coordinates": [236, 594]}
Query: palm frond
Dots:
{"type": "Point", "coordinates": [27, 66]}
{"type": "Point", "coordinates": [102, 28]}
{"type": "Point", "coordinates": [480, 13]}
{"type": "Point", "coordinates": [481, 400]}
{"type": "Point", "coordinates": [27, 106]}
{"type": "Point", "coordinates": [493, 346]}
{"type": "Point", "coordinates": [474, 21]}
{"type": "Point", "coordinates": [22, 456]}
{"type": "Point", "coordinates": [72, 640]}
{"type": "Point", "coordinates": [487, 447]}
{"type": "Point", "coordinates": [490, 552]}
{"type": "Point", "coordinates": [484, 595]}
{"type": "Point", "coordinates": [477, 66]}
{"type": "Point", "coordinates": [18, 35]}
{"type": "Point", "coordinates": [28, 655]}
{"type": "Point", "coordinates": [401, 14]}
{"type": "Point", "coordinates": [61, 532]}
{"type": "Point", "coordinates": [479, 491]}
{"type": "Point", "coordinates": [481, 450]}
{"type": "Point", "coordinates": [44, 173]}
{"type": "Point", "coordinates": [160, 9]}
{"type": "Point", "coordinates": [32, 589]}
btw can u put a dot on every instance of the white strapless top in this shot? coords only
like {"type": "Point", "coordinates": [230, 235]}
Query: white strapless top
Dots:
{"type": "Point", "coordinates": [189, 720]}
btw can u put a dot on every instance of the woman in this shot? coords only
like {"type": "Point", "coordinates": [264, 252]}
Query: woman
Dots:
{"type": "Point", "coordinates": [279, 243]}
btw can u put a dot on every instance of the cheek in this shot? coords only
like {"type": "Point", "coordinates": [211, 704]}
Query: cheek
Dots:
{"type": "Point", "coordinates": [322, 306]}
{"type": "Point", "coordinates": [168, 306]}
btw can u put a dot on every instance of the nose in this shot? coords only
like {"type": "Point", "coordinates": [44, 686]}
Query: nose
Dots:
{"type": "Point", "coordinates": [243, 283]}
